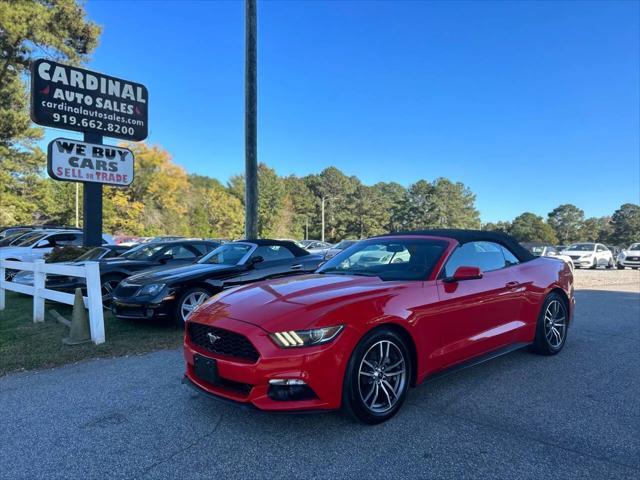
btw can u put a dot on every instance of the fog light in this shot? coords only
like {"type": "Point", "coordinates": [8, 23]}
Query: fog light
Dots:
{"type": "Point", "coordinates": [283, 390]}
{"type": "Point", "coordinates": [286, 381]}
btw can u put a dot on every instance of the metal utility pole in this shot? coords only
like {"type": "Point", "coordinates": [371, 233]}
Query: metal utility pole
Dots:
{"type": "Point", "coordinates": [250, 122]}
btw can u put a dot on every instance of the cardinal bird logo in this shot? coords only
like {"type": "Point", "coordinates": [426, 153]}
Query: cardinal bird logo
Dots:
{"type": "Point", "coordinates": [138, 112]}
{"type": "Point", "coordinates": [45, 90]}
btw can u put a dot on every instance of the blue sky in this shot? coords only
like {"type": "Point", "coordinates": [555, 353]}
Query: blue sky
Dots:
{"type": "Point", "coordinates": [530, 104]}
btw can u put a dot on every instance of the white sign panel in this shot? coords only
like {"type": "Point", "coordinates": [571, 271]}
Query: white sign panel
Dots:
{"type": "Point", "coordinates": [75, 161]}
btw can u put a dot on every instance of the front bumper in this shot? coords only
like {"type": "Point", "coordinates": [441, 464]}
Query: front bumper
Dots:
{"type": "Point", "coordinates": [629, 262]}
{"type": "Point", "coordinates": [132, 309]}
{"type": "Point", "coordinates": [245, 382]}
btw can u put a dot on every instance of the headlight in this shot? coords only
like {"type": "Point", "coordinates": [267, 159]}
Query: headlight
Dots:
{"type": "Point", "coordinates": [305, 338]}
{"type": "Point", "coordinates": [151, 289]}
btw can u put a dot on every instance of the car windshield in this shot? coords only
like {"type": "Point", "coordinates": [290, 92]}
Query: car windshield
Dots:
{"type": "Point", "coordinates": [143, 252]}
{"type": "Point", "coordinates": [635, 246]}
{"type": "Point", "coordinates": [582, 247]}
{"type": "Point", "coordinates": [93, 254]}
{"type": "Point", "coordinates": [29, 239]}
{"type": "Point", "coordinates": [227, 254]}
{"type": "Point", "coordinates": [344, 244]}
{"type": "Point", "coordinates": [388, 259]}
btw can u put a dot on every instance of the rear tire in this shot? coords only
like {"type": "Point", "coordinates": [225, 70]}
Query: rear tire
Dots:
{"type": "Point", "coordinates": [611, 264]}
{"type": "Point", "coordinates": [552, 327]}
{"type": "Point", "coordinates": [595, 264]}
{"type": "Point", "coordinates": [377, 377]}
{"type": "Point", "coordinates": [620, 267]}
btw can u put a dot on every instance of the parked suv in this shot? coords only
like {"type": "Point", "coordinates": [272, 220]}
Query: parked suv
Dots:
{"type": "Point", "coordinates": [590, 255]}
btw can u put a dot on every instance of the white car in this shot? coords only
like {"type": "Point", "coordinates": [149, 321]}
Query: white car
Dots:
{"type": "Point", "coordinates": [589, 255]}
{"type": "Point", "coordinates": [38, 243]}
{"type": "Point", "coordinates": [315, 247]}
{"type": "Point", "coordinates": [540, 249]}
{"type": "Point", "coordinates": [630, 257]}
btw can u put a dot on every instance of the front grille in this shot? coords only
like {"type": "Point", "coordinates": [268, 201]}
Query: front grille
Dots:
{"type": "Point", "coordinates": [230, 344]}
{"type": "Point", "coordinates": [574, 257]}
{"type": "Point", "coordinates": [126, 290]}
{"type": "Point", "coordinates": [633, 259]}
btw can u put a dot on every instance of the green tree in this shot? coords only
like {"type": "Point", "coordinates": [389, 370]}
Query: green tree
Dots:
{"type": "Point", "coordinates": [504, 227]}
{"type": "Point", "coordinates": [28, 29]}
{"type": "Point", "coordinates": [441, 204]}
{"type": "Point", "coordinates": [567, 221]}
{"type": "Point", "coordinates": [625, 224]}
{"type": "Point", "coordinates": [530, 227]}
{"type": "Point", "coordinates": [393, 197]}
{"type": "Point", "coordinates": [596, 229]}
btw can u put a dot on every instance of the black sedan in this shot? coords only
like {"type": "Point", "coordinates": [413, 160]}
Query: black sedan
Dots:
{"type": "Point", "coordinates": [175, 292]}
{"type": "Point", "coordinates": [143, 257]}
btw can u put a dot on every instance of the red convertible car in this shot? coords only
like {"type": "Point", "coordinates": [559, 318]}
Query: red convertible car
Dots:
{"type": "Point", "coordinates": [385, 314]}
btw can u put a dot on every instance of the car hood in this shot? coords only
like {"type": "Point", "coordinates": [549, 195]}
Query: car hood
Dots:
{"type": "Point", "coordinates": [633, 253]}
{"type": "Point", "coordinates": [294, 302]}
{"type": "Point", "coordinates": [576, 252]}
{"type": "Point", "coordinates": [172, 274]}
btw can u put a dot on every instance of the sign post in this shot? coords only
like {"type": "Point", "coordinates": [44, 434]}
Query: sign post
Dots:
{"type": "Point", "coordinates": [98, 105]}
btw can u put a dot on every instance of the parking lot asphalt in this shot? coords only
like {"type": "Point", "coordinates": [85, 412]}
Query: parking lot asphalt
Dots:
{"type": "Point", "coordinates": [574, 415]}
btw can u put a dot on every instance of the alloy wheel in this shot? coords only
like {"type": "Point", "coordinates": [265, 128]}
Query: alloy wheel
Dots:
{"type": "Point", "coordinates": [382, 376]}
{"type": "Point", "coordinates": [555, 323]}
{"type": "Point", "coordinates": [190, 302]}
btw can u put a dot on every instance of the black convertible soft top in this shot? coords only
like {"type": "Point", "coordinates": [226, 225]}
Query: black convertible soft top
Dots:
{"type": "Point", "coordinates": [466, 236]}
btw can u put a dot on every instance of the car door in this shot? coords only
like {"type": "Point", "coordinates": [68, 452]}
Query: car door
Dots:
{"type": "Point", "coordinates": [477, 316]}
{"type": "Point", "coordinates": [278, 261]}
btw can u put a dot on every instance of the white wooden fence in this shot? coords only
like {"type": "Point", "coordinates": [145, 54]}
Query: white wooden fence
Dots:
{"type": "Point", "coordinates": [93, 301]}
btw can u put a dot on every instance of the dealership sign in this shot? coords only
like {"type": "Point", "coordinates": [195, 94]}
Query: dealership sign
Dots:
{"type": "Point", "coordinates": [75, 161]}
{"type": "Point", "coordinates": [73, 98]}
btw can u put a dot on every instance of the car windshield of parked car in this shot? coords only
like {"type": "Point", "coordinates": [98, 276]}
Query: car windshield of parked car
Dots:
{"type": "Point", "coordinates": [93, 254]}
{"type": "Point", "coordinates": [143, 252]}
{"type": "Point", "coordinates": [388, 259]}
{"type": "Point", "coordinates": [635, 246]}
{"type": "Point", "coordinates": [29, 239]}
{"type": "Point", "coordinates": [227, 254]}
{"type": "Point", "coordinates": [582, 247]}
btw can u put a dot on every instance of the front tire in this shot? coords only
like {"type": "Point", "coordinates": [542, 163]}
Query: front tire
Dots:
{"type": "Point", "coordinates": [553, 323]}
{"type": "Point", "coordinates": [108, 284]}
{"type": "Point", "coordinates": [189, 300]}
{"type": "Point", "coordinates": [377, 377]}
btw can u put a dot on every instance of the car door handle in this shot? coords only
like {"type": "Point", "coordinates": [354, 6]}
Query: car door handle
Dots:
{"type": "Point", "coordinates": [512, 284]}
{"type": "Point", "coordinates": [296, 267]}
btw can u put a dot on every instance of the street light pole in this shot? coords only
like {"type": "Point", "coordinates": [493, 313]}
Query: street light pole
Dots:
{"type": "Point", "coordinates": [322, 209]}
{"type": "Point", "coordinates": [250, 122]}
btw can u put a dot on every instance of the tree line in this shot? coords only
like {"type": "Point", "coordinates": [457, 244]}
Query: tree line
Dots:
{"type": "Point", "coordinates": [165, 199]}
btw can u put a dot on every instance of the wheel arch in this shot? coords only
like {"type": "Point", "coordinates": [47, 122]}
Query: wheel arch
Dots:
{"type": "Point", "coordinates": [565, 298]}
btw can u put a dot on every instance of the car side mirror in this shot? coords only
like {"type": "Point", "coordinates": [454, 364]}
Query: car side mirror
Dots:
{"type": "Point", "coordinates": [254, 260]}
{"type": "Point", "coordinates": [464, 273]}
{"type": "Point", "coordinates": [166, 258]}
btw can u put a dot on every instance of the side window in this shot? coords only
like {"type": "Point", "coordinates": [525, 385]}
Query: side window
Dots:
{"type": "Point", "coordinates": [180, 252]}
{"type": "Point", "coordinates": [200, 247]}
{"type": "Point", "coordinates": [273, 252]}
{"type": "Point", "coordinates": [486, 256]}
{"type": "Point", "coordinates": [65, 239]}
{"type": "Point", "coordinates": [510, 258]}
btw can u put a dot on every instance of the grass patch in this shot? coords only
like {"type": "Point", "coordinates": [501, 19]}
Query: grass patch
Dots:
{"type": "Point", "coordinates": [25, 345]}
